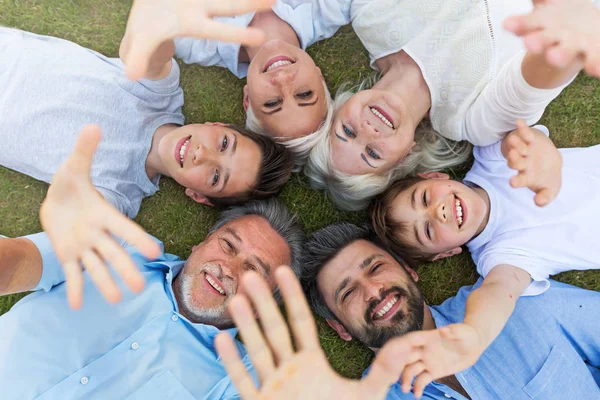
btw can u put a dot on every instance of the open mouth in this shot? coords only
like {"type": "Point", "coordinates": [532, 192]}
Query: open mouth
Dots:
{"type": "Point", "coordinates": [214, 284]}
{"type": "Point", "coordinates": [382, 115]}
{"type": "Point", "coordinates": [387, 308]}
{"type": "Point", "coordinates": [278, 62]}
{"type": "Point", "coordinates": [180, 150]}
{"type": "Point", "coordinates": [460, 211]}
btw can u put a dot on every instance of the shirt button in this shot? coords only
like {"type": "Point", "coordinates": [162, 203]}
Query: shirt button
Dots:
{"type": "Point", "coordinates": [84, 380]}
{"type": "Point", "coordinates": [174, 318]}
{"type": "Point", "coordinates": [135, 346]}
{"type": "Point", "coordinates": [446, 395]}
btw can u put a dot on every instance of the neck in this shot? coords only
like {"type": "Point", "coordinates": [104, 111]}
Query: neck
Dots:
{"type": "Point", "coordinates": [403, 77]}
{"type": "Point", "coordinates": [274, 27]}
{"type": "Point", "coordinates": [154, 166]}
{"type": "Point", "coordinates": [484, 196]}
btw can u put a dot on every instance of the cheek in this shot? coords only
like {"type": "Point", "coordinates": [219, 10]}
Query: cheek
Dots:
{"type": "Point", "coordinates": [448, 236]}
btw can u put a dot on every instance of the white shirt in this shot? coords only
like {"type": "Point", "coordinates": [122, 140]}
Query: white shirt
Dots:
{"type": "Point", "coordinates": [312, 20]}
{"type": "Point", "coordinates": [541, 240]}
{"type": "Point", "coordinates": [471, 65]}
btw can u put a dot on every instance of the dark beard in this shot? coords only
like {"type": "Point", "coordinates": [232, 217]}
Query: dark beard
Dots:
{"type": "Point", "coordinates": [375, 336]}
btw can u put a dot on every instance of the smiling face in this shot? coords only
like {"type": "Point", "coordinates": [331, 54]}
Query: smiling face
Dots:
{"type": "Point", "coordinates": [440, 215]}
{"type": "Point", "coordinates": [285, 90]}
{"type": "Point", "coordinates": [371, 133]}
{"type": "Point", "coordinates": [210, 160]}
{"type": "Point", "coordinates": [212, 273]}
{"type": "Point", "coordinates": [371, 294]}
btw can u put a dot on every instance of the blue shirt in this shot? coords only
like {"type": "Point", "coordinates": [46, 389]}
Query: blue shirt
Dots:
{"type": "Point", "coordinates": [140, 348]}
{"type": "Point", "coordinates": [549, 349]}
{"type": "Point", "coordinates": [312, 20]}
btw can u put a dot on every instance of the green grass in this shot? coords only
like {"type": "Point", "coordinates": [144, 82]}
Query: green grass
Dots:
{"type": "Point", "coordinates": [214, 94]}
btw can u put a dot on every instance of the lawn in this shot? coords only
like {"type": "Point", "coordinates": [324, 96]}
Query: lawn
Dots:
{"type": "Point", "coordinates": [214, 94]}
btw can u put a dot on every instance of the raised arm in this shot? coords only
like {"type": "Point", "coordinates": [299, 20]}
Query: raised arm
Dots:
{"type": "Point", "coordinates": [147, 47]}
{"type": "Point", "coordinates": [20, 265]}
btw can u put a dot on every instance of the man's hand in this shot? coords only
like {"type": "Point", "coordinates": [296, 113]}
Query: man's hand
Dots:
{"type": "Point", "coordinates": [538, 161]}
{"type": "Point", "coordinates": [153, 22]}
{"type": "Point", "coordinates": [429, 355]}
{"type": "Point", "coordinates": [563, 30]}
{"type": "Point", "coordinates": [286, 373]}
{"type": "Point", "coordinates": [81, 225]}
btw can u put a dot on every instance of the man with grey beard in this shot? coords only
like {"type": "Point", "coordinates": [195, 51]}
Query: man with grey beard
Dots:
{"type": "Point", "coordinates": [154, 345]}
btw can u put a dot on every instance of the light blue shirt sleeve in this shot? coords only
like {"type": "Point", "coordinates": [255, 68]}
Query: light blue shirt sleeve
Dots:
{"type": "Point", "coordinates": [52, 272]}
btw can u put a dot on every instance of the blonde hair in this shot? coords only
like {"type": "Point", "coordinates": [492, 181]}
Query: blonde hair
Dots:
{"type": "Point", "coordinates": [300, 146]}
{"type": "Point", "coordinates": [432, 152]}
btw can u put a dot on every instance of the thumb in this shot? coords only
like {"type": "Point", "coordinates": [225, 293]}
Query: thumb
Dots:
{"type": "Point", "coordinates": [138, 56]}
{"type": "Point", "coordinates": [85, 148]}
{"type": "Point", "coordinates": [543, 197]}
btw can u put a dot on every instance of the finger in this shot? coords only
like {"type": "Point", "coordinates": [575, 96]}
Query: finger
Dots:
{"type": "Point", "coordinates": [538, 42]}
{"type": "Point", "coordinates": [409, 374]}
{"type": "Point", "coordinates": [236, 370]}
{"type": "Point", "coordinates": [544, 197]}
{"type": "Point", "coordinates": [85, 148]}
{"type": "Point", "coordinates": [100, 275]}
{"type": "Point", "coordinates": [236, 7]}
{"type": "Point", "coordinates": [420, 383]}
{"type": "Point", "coordinates": [560, 56]}
{"type": "Point", "coordinates": [121, 226]}
{"type": "Point", "coordinates": [74, 284]}
{"type": "Point", "coordinates": [592, 65]}
{"type": "Point", "coordinates": [516, 161]}
{"type": "Point", "coordinates": [215, 30]}
{"type": "Point", "coordinates": [298, 312]}
{"type": "Point", "coordinates": [121, 262]}
{"type": "Point", "coordinates": [255, 342]}
{"type": "Point", "coordinates": [519, 180]}
{"type": "Point", "coordinates": [525, 132]}
{"type": "Point", "coordinates": [522, 24]}
{"type": "Point", "coordinates": [272, 322]}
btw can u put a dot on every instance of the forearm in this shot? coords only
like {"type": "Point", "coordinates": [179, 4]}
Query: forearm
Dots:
{"type": "Point", "coordinates": [539, 74]}
{"type": "Point", "coordinates": [20, 265]}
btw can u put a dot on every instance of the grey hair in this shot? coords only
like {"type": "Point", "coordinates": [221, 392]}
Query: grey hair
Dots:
{"type": "Point", "coordinates": [279, 218]}
{"type": "Point", "coordinates": [432, 152]}
{"type": "Point", "coordinates": [322, 247]}
{"type": "Point", "coordinates": [300, 146]}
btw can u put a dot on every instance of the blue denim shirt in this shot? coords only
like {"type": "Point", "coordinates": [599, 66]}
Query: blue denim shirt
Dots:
{"type": "Point", "coordinates": [139, 348]}
{"type": "Point", "coordinates": [549, 349]}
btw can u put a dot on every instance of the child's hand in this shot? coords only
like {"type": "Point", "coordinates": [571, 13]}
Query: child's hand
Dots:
{"type": "Point", "coordinates": [81, 226]}
{"type": "Point", "coordinates": [538, 161]}
{"type": "Point", "coordinates": [434, 354]}
{"type": "Point", "coordinates": [563, 30]}
{"type": "Point", "coordinates": [153, 22]}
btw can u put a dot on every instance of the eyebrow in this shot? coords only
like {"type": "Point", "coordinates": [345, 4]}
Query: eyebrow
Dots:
{"type": "Point", "coordinates": [233, 233]}
{"type": "Point", "coordinates": [271, 112]}
{"type": "Point", "coordinates": [417, 235]}
{"type": "Point", "coordinates": [308, 104]}
{"type": "Point", "coordinates": [341, 138]}
{"type": "Point", "coordinates": [413, 201]}
{"type": "Point", "coordinates": [365, 160]}
{"type": "Point", "coordinates": [364, 264]}
{"type": "Point", "coordinates": [232, 153]}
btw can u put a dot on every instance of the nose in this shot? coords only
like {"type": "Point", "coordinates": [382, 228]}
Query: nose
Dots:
{"type": "Point", "coordinates": [283, 77]}
{"type": "Point", "coordinates": [441, 212]}
{"type": "Point", "coordinates": [201, 154]}
{"type": "Point", "coordinates": [372, 291]}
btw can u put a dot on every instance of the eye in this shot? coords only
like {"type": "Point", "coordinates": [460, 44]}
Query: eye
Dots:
{"type": "Point", "coordinates": [250, 267]}
{"type": "Point", "coordinates": [375, 268]}
{"type": "Point", "coordinates": [373, 154]}
{"type": "Point", "coordinates": [216, 178]}
{"type": "Point", "coordinates": [347, 294]}
{"type": "Point", "coordinates": [305, 95]}
{"type": "Point", "coordinates": [226, 246]}
{"type": "Point", "coordinates": [348, 132]}
{"type": "Point", "coordinates": [428, 230]}
{"type": "Point", "coordinates": [425, 198]}
{"type": "Point", "coordinates": [224, 143]}
{"type": "Point", "coordinates": [272, 103]}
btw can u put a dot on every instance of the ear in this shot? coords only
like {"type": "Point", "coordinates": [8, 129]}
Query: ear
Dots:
{"type": "Point", "coordinates": [197, 197]}
{"type": "Point", "coordinates": [246, 101]}
{"type": "Point", "coordinates": [434, 175]}
{"type": "Point", "coordinates": [215, 123]}
{"type": "Point", "coordinates": [320, 74]}
{"type": "Point", "coordinates": [412, 273]}
{"type": "Point", "coordinates": [446, 254]}
{"type": "Point", "coordinates": [339, 328]}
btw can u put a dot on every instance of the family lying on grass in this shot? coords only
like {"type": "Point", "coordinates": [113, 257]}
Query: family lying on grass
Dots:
{"type": "Point", "coordinates": [451, 75]}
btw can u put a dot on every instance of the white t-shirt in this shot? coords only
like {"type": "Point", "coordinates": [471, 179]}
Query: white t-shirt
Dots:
{"type": "Point", "coordinates": [541, 240]}
{"type": "Point", "coordinates": [471, 65]}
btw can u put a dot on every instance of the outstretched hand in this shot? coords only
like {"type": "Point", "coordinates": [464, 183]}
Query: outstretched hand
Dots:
{"type": "Point", "coordinates": [285, 372]}
{"type": "Point", "coordinates": [81, 225]}
{"type": "Point", "coordinates": [537, 160]}
{"type": "Point", "coordinates": [563, 30]}
{"type": "Point", "coordinates": [153, 22]}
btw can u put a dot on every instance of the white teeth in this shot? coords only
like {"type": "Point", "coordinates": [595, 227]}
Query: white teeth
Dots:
{"type": "Point", "coordinates": [381, 117]}
{"type": "Point", "coordinates": [459, 212]}
{"type": "Point", "coordinates": [280, 63]}
{"type": "Point", "coordinates": [182, 150]}
{"type": "Point", "coordinates": [214, 284]}
{"type": "Point", "coordinates": [386, 308]}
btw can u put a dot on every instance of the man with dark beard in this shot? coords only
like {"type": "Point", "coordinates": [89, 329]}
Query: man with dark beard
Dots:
{"type": "Point", "coordinates": [549, 348]}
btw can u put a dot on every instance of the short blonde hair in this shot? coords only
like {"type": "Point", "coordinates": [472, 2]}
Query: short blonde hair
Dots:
{"type": "Point", "coordinates": [300, 146]}
{"type": "Point", "coordinates": [432, 152]}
